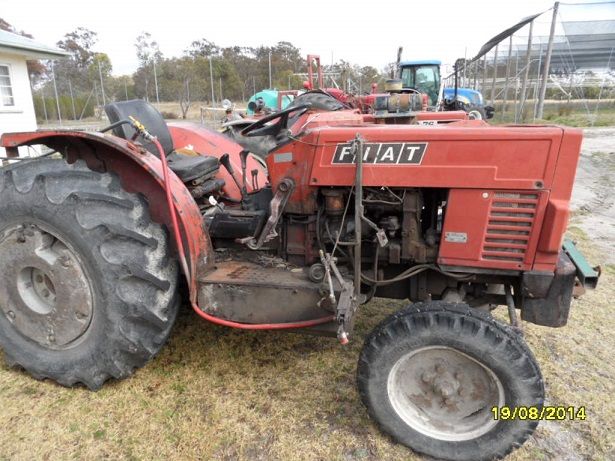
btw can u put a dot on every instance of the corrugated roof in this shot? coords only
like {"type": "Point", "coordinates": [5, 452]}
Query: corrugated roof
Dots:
{"type": "Point", "coordinates": [18, 44]}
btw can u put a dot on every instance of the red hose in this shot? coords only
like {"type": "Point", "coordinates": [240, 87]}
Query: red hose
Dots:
{"type": "Point", "coordinates": [263, 326]}
{"type": "Point", "coordinates": [184, 264]}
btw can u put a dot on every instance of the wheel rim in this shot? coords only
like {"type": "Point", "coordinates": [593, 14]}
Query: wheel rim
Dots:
{"type": "Point", "coordinates": [475, 115]}
{"type": "Point", "coordinates": [444, 393]}
{"type": "Point", "coordinates": [46, 292]}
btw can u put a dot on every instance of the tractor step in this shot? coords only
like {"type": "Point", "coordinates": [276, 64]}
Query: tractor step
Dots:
{"type": "Point", "coordinates": [251, 293]}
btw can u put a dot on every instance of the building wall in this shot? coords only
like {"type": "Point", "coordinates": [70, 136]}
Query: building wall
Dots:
{"type": "Point", "coordinates": [19, 117]}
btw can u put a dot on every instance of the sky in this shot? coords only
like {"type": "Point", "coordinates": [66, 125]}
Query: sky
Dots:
{"type": "Point", "coordinates": [361, 32]}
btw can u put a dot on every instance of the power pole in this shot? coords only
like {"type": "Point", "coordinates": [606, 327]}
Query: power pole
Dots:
{"type": "Point", "coordinates": [547, 64]}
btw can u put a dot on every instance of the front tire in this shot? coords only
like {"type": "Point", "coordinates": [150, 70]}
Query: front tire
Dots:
{"type": "Point", "coordinates": [88, 289]}
{"type": "Point", "coordinates": [476, 113]}
{"type": "Point", "coordinates": [431, 374]}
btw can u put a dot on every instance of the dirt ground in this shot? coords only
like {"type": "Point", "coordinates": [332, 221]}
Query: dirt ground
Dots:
{"type": "Point", "coordinates": [216, 393]}
{"type": "Point", "coordinates": [593, 197]}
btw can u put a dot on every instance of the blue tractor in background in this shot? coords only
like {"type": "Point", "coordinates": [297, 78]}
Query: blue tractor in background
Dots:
{"type": "Point", "coordinates": [424, 76]}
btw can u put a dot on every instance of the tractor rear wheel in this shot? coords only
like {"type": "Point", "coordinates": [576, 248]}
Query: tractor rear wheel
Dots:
{"type": "Point", "coordinates": [431, 375]}
{"type": "Point", "coordinates": [88, 289]}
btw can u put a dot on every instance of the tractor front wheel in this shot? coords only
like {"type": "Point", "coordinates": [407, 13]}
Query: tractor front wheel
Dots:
{"type": "Point", "coordinates": [88, 289]}
{"type": "Point", "coordinates": [476, 113]}
{"type": "Point", "coordinates": [432, 374]}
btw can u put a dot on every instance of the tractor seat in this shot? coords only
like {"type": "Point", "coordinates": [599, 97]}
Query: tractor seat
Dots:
{"type": "Point", "coordinates": [186, 167]}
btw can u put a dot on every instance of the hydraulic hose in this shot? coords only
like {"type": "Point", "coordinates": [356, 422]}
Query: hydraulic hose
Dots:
{"type": "Point", "coordinates": [184, 265]}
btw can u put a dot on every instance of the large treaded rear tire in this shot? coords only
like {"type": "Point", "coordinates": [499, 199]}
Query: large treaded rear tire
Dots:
{"type": "Point", "coordinates": [125, 259]}
{"type": "Point", "coordinates": [473, 335]}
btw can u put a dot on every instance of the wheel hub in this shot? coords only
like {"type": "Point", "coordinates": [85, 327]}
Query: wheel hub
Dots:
{"type": "Point", "coordinates": [44, 290]}
{"type": "Point", "coordinates": [444, 393]}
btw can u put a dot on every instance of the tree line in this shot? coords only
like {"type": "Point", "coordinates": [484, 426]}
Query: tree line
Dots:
{"type": "Point", "coordinates": [205, 72]}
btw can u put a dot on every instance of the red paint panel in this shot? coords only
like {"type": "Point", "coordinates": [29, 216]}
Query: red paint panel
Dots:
{"type": "Point", "coordinates": [462, 155]}
{"type": "Point", "coordinates": [209, 142]}
{"type": "Point", "coordinates": [561, 191]}
{"type": "Point", "coordinates": [497, 236]}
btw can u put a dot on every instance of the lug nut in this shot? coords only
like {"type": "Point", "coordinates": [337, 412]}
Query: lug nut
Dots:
{"type": "Point", "coordinates": [51, 338]}
{"type": "Point", "coordinates": [11, 315]}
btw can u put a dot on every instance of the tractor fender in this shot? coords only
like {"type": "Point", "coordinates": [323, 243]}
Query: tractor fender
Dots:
{"type": "Point", "coordinates": [139, 172]}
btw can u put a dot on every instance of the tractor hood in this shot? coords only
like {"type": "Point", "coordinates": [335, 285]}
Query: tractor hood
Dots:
{"type": "Point", "coordinates": [465, 95]}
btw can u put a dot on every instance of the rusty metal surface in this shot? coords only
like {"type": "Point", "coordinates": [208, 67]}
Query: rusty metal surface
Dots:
{"type": "Point", "coordinates": [250, 293]}
{"type": "Point", "coordinates": [46, 293]}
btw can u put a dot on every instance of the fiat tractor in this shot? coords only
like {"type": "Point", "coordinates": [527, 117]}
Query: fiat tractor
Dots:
{"type": "Point", "coordinates": [338, 208]}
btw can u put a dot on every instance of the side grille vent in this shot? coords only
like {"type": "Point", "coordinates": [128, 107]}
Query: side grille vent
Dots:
{"type": "Point", "coordinates": [511, 218]}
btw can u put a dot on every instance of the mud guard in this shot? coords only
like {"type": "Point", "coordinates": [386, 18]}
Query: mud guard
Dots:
{"type": "Point", "coordinates": [551, 305]}
{"type": "Point", "coordinates": [139, 172]}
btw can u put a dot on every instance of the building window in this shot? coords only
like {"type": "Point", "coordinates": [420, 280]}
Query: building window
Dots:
{"type": "Point", "coordinates": [6, 89]}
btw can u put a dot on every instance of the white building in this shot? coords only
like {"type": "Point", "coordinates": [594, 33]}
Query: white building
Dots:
{"type": "Point", "coordinates": [16, 106]}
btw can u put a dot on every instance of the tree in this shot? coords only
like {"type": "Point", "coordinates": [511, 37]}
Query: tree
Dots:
{"type": "Point", "coordinates": [79, 44]}
{"type": "Point", "coordinates": [203, 48]}
{"type": "Point", "coordinates": [148, 54]}
{"type": "Point", "coordinates": [100, 65]}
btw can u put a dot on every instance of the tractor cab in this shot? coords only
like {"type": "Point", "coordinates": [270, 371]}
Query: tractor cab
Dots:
{"type": "Point", "coordinates": [423, 76]}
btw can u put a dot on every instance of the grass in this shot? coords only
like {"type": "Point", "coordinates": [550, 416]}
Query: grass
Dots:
{"type": "Point", "coordinates": [215, 393]}
{"type": "Point", "coordinates": [561, 113]}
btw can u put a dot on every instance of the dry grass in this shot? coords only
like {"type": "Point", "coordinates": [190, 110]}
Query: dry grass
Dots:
{"type": "Point", "coordinates": [215, 393]}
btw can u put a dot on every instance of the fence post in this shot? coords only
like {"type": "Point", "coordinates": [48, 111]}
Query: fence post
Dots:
{"type": "Point", "coordinates": [482, 87]}
{"type": "Point", "coordinates": [211, 79]}
{"type": "Point", "coordinates": [505, 95]}
{"type": "Point", "coordinates": [72, 99]}
{"type": "Point", "coordinates": [55, 91]}
{"type": "Point", "coordinates": [537, 81]}
{"type": "Point", "coordinates": [44, 105]}
{"type": "Point", "coordinates": [547, 64]}
{"type": "Point", "coordinates": [495, 73]}
{"type": "Point", "coordinates": [102, 85]}
{"type": "Point", "coordinates": [527, 71]}
{"type": "Point", "coordinates": [156, 82]}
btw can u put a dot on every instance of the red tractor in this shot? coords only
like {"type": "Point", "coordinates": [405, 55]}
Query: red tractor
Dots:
{"type": "Point", "coordinates": [457, 218]}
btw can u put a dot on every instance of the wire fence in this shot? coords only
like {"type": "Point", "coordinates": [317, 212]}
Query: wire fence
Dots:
{"type": "Point", "coordinates": [559, 62]}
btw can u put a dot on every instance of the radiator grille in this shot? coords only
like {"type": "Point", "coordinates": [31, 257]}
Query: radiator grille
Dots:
{"type": "Point", "coordinates": [511, 217]}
